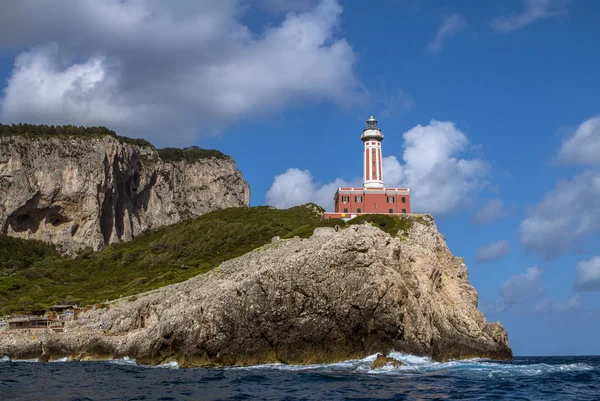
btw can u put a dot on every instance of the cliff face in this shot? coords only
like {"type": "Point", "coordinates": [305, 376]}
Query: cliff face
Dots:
{"type": "Point", "coordinates": [335, 296]}
{"type": "Point", "coordinates": [80, 192]}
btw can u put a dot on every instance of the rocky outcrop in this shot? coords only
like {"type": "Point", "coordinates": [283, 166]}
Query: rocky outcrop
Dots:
{"type": "Point", "coordinates": [79, 192]}
{"type": "Point", "coordinates": [381, 361]}
{"type": "Point", "coordinates": [335, 296]}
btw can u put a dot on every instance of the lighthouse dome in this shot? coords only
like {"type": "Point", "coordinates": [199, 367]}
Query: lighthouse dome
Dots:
{"type": "Point", "coordinates": [371, 130]}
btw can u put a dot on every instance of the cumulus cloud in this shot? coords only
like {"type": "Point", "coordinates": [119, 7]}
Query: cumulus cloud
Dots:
{"type": "Point", "coordinates": [450, 26]}
{"type": "Point", "coordinates": [493, 210]}
{"type": "Point", "coordinates": [523, 287]}
{"type": "Point", "coordinates": [296, 187]}
{"type": "Point", "coordinates": [588, 275]}
{"type": "Point", "coordinates": [440, 180]}
{"type": "Point", "coordinates": [583, 147]}
{"type": "Point", "coordinates": [492, 251]}
{"type": "Point", "coordinates": [164, 69]}
{"type": "Point", "coordinates": [566, 213]}
{"type": "Point", "coordinates": [534, 10]}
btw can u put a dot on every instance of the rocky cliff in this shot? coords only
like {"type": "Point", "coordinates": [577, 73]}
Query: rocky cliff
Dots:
{"type": "Point", "coordinates": [77, 191]}
{"type": "Point", "coordinates": [337, 295]}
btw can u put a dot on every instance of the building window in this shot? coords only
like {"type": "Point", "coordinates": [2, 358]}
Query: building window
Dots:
{"type": "Point", "coordinates": [404, 199]}
{"type": "Point", "coordinates": [345, 199]}
{"type": "Point", "coordinates": [345, 210]}
{"type": "Point", "coordinates": [358, 210]}
{"type": "Point", "coordinates": [358, 199]}
{"type": "Point", "coordinates": [391, 210]}
{"type": "Point", "coordinates": [403, 210]}
{"type": "Point", "coordinates": [390, 199]}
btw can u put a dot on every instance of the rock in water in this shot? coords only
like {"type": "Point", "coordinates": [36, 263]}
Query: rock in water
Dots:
{"type": "Point", "coordinates": [382, 360]}
{"type": "Point", "coordinates": [79, 192]}
{"type": "Point", "coordinates": [332, 297]}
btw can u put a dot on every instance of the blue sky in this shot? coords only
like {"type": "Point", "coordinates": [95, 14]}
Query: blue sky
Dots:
{"type": "Point", "coordinates": [490, 115]}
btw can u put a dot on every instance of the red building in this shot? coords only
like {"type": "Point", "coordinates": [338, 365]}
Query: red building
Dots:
{"type": "Point", "coordinates": [373, 197]}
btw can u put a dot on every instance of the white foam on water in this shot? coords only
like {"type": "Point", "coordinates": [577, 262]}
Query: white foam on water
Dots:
{"type": "Point", "coordinates": [413, 364]}
{"type": "Point", "coordinates": [125, 361]}
{"type": "Point", "coordinates": [168, 365]}
{"type": "Point", "coordinates": [59, 360]}
{"type": "Point", "coordinates": [5, 359]}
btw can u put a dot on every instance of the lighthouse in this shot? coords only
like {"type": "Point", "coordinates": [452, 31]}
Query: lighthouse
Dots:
{"type": "Point", "coordinates": [373, 197]}
{"type": "Point", "coordinates": [372, 137]}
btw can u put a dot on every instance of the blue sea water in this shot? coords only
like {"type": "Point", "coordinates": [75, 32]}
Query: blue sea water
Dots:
{"type": "Point", "coordinates": [524, 378]}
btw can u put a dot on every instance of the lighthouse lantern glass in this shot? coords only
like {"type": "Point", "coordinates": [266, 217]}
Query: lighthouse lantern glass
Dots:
{"type": "Point", "coordinates": [371, 123]}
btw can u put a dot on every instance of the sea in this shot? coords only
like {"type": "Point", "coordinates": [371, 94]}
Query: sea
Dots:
{"type": "Point", "coordinates": [524, 378]}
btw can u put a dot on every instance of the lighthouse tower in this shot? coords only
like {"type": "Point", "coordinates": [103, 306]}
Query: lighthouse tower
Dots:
{"type": "Point", "coordinates": [373, 197]}
{"type": "Point", "coordinates": [372, 137]}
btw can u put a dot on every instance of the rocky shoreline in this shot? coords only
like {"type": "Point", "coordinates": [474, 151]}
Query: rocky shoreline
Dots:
{"type": "Point", "coordinates": [336, 296]}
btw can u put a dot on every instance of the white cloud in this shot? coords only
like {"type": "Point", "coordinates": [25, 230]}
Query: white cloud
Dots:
{"type": "Point", "coordinates": [494, 209]}
{"type": "Point", "coordinates": [521, 288]}
{"type": "Point", "coordinates": [450, 26]}
{"type": "Point", "coordinates": [550, 305]}
{"type": "Point", "coordinates": [296, 187]}
{"type": "Point", "coordinates": [492, 251]}
{"type": "Point", "coordinates": [164, 70]}
{"type": "Point", "coordinates": [286, 5]}
{"type": "Point", "coordinates": [523, 293]}
{"type": "Point", "coordinates": [439, 180]}
{"type": "Point", "coordinates": [588, 275]}
{"type": "Point", "coordinates": [534, 10]}
{"type": "Point", "coordinates": [568, 212]}
{"type": "Point", "coordinates": [583, 147]}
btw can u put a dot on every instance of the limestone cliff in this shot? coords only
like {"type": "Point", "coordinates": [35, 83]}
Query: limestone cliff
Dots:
{"type": "Point", "coordinates": [90, 191]}
{"type": "Point", "coordinates": [337, 295]}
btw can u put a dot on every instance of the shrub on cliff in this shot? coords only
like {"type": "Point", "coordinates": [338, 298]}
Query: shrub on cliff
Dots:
{"type": "Point", "coordinates": [189, 155]}
{"type": "Point", "coordinates": [387, 223]}
{"type": "Point", "coordinates": [41, 131]}
{"type": "Point", "coordinates": [17, 254]}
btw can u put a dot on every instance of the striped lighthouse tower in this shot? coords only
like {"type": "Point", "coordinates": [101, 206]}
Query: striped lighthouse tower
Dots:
{"type": "Point", "coordinates": [372, 137]}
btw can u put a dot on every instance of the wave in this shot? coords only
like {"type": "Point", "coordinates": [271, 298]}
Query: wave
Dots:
{"type": "Point", "coordinates": [132, 362]}
{"type": "Point", "coordinates": [412, 365]}
{"type": "Point", "coordinates": [422, 365]}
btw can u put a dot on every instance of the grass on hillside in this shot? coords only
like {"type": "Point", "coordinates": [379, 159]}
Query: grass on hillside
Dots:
{"type": "Point", "coordinates": [38, 277]}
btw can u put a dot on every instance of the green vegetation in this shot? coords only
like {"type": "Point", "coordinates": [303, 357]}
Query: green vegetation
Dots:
{"type": "Point", "coordinates": [190, 155]}
{"type": "Point", "coordinates": [34, 131]}
{"type": "Point", "coordinates": [390, 224]}
{"type": "Point", "coordinates": [17, 254]}
{"type": "Point", "coordinates": [154, 259]}
{"type": "Point", "coordinates": [36, 276]}
{"type": "Point", "coordinates": [65, 131]}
